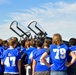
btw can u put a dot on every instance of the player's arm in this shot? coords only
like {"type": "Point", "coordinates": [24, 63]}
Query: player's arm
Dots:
{"type": "Point", "coordinates": [31, 56]}
{"type": "Point", "coordinates": [2, 62]}
{"type": "Point", "coordinates": [19, 63]}
{"type": "Point", "coordinates": [2, 59]}
{"type": "Point", "coordinates": [72, 60]}
{"type": "Point", "coordinates": [19, 66]}
{"type": "Point", "coordinates": [33, 66]}
{"type": "Point", "coordinates": [44, 56]}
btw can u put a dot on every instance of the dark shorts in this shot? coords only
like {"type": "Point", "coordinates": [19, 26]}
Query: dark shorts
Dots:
{"type": "Point", "coordinates": [1, 73]}
{"type": "Point", "coordinates": [72, 70]}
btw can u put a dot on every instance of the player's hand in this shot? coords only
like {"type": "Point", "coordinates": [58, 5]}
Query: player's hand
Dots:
{"type": "Point", "coordinates": [33, 73]}
{"type": "Point", "coordinates": [68, 64]}
{"type": "Point", "coordinates": [51, 65]}
{"type": "Point", "coordinates": [26, 65]}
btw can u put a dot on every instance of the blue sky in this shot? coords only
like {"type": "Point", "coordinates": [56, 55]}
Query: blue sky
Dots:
{"type": "Point", "coordinates": [55, 16]}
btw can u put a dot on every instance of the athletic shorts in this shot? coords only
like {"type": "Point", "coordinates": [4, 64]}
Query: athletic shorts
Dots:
{"type": "Point", "coordinates": [42, 73]}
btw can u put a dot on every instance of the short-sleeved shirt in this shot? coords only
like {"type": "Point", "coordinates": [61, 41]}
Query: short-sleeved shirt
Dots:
{"type": "Point", "coordinates": [28, 52]}
{"type": "Point", "coordinates": [58, 55]}
{"type": "Point", "coordinates": [72, 49]}
{"type": "Point", "coordinates": [1, 55]}
{"type": "Point", "coordinates": [40, 67]}
{"type": "Point", "coordinates": [10, 60]}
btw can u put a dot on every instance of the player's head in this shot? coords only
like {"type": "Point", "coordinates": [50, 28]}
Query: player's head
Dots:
{"type": "Point", "coordinates": [57, 39]}
{"type": "Point", "coordinates": [27, 44]}
{"type": "Point", "coordinates": [5, 43]}
{"type": "Point", "coordinates": [46, 45]}
{"type": "Point", "coordinates": [72, 41]}
{"type": "Point", "coordinates": [39, 43]}
{"type": "Point", "coordinates": [23, 43]}
{"type": "Point", "coordinates": [12, 42]}
{"type": "Point", "coordinates": [32, 43]}
{"type": "Point", "coordinates": [16, 39]}
{"type": "Point", "coordinates": [1, 42]}
{"type": "Point", "coordinates": [49, 41]}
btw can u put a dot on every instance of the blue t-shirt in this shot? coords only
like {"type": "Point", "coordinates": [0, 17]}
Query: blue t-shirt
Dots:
{"type": "Point", "coordinates": [1, 55]}
{"type": "Point", "coordinates": [58, 55]}
{"type": "Point", "coordinates": [5, 48]}
{"type": "Point", "coordinates": [18, 48]}
{"type": "Point", "coordinates": [10, 60]}
{"type": "Point", "coordinates": [1, 51]}
{"type": "Point", "coordinates": [28, 52]}
{"type": "Point", "coordinates": [23, 49]}
{"type": "Point", "coordinates": [39, 65]}
{"type": "Point", "coordinates": [73, 49]}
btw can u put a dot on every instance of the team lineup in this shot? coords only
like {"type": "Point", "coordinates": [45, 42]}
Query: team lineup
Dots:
{"type": "Point", "coordinates": [37, 56]}
{"type": "Point", "coordinates": [37, 37]}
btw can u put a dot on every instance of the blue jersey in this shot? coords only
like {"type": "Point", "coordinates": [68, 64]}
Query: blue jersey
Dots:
{"type": "Point", "coordinates": [58, 55]}
{"type": "Point", "coordinates": [5, 47]}
{"type": "Point", "coordinates": [10, 60]}
{"type": "Point", "coordinates": [1, 55]}
{"type": "Point", "coordinates": [18, 48]}
{"type": "Point", "coordinates": [23, 49]}
{"type": "Point", "coordinates": [28, 52]}
{"type": "Point", "coordinates": [31, 54]}
{"type": "Point", "coordinates": [1, 51]}
{"type": "Point", "coordinates": [39, 65]}
{"type": "Point", "coordinates": [73, 49]}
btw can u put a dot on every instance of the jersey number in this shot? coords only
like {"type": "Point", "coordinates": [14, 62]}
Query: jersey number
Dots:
{"type": "Point", "coordinates": [47, 60]}
{"type": "Point", "coordinates": [60, 53]}
{"type": "Point", "coordinates": [10, 61]}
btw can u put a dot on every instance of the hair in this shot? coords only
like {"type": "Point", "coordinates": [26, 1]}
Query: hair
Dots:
{"type": "Point", "coordinates": [39, 43]}
{"type": "Point", "coordinates": [5, 42]}
{"type": "Point", "coordinates": [72, 41]}
{"type": "Point", "coordinates": [49, 41]}
{"type": "Point", "coordinates": [15, 38]}
{"type": "Point", "coordinates": [11, 42]}
{"type": "Point", "coordinates": [57, 39]}
{"type": "Point", "coordinates": [27, 44]}
{"type": "Point", "coordinates": [23, 43]}
{"type": "Point", "coordinates": [32, 43]}
{"type": "Point", "coordinates": [1, 42]}
{"type": "Point", "coordinates": [46, 45]}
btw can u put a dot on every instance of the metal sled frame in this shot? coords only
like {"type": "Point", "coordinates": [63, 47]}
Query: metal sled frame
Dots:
{"type": "Point", "coordinates": [23, 33]}
{"type": "Point", "coordinates": [41, 31]}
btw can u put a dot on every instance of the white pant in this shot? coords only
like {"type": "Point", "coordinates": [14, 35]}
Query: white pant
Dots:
{"type": "Point", "coordinates": [28, 70]}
